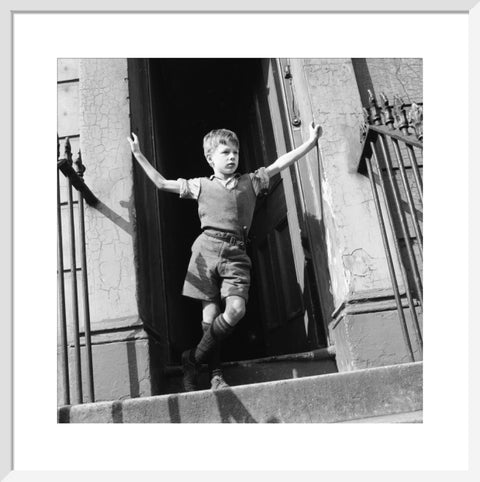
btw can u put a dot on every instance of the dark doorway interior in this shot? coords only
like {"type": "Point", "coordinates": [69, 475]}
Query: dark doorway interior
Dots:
{"type": "Point", "coordinates": [189, 98]}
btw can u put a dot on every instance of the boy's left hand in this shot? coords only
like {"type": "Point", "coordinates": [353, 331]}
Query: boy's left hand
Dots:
{"type": "Point", "coordinates": [134, 144]}
{"type": "Point", "coordinates": [315, 131]}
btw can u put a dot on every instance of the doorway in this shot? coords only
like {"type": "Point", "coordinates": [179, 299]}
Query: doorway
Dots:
{"type": "Point", "coordinates": [188, 98]}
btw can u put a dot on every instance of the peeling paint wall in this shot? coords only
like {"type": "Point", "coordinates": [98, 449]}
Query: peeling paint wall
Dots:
{"type": "Point", "coordinates": [401, 77]}
{"type": "Point", "coordinates": [355, 252]}
{"type": "Point", "coordinates": [104, 127]}
{"type": "Point", "coordinates": [93, 110]}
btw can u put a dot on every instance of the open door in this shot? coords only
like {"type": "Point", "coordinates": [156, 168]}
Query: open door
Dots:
{"type": "Point", "coordinates": [276, 249]}
{"type": "Point", "coordinates": [189, 97]}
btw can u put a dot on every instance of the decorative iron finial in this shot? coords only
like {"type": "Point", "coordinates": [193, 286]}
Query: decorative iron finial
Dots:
{"type": "Point", "coordinates": [68, 151]}
{"type": "Point", "coordinates": [375, 111]}
{"type": "Point", "coordinates": [366, 116]}
{"type": "Point", "coordinates": [400, 114]}
{"type": "Point", "coordinates": [80, 168]}
{"type": "Point", "coordinates": [363, 133]}
{"type": "Point", "coordinates": [364, 126]}
{"type": "Point", "coordinates": [387, 111]}
{"type": "Point", "coordinates": [415, 119]}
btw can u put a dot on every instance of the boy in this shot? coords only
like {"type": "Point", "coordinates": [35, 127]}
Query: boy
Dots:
{"type": "Point", "coordinates": [219, 269]}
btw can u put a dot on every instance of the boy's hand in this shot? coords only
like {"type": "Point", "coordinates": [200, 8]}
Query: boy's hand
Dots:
{"type": "Point", "coordinates": [134, 144]}
{"type": "Point", "coordinates": [315, 131]}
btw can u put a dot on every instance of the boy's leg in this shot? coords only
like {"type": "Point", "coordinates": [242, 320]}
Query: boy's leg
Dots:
{"type": "Point", "coordinates": [210, 310]}
{"type": "Point", "coordinates": [220, 328]}
{"type": "Point", "coordinates": [234, 309]}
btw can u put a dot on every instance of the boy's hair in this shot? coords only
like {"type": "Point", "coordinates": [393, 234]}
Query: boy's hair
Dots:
{"type": "Point", "coordinates": [216, 137]}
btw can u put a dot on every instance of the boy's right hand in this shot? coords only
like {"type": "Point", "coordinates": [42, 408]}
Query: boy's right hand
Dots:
{"type": "Point", "coordinates": [134, 144]}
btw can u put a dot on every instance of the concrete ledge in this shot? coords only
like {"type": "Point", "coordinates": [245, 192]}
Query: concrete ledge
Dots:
{"type": "Point", "coordinates": [373, 339]}
{"type": "Point", "coordinates": [318, 399]}
{"type": "Point", "coordinates": [409, 417]}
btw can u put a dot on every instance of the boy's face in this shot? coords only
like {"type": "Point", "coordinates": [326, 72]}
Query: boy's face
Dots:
{"type": "Point", "coordinates": [224, 160]}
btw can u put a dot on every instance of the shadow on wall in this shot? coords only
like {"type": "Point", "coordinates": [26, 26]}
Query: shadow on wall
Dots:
{"type": "Point", "coordinates": [133, 369]}
{"type": "Point", "coordinates": [364, 79]}
{"type": "Point", "coordinates": [319, 275]}
{"type": "Point", "coordinates": [116, 218]}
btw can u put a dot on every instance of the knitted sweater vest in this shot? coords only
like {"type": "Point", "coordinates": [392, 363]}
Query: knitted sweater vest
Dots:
{"type": "Point", "coordinates": [226, 209]}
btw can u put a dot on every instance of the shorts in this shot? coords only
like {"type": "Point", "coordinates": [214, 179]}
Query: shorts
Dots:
{"type": "Point", "coordinates": [217, 269]}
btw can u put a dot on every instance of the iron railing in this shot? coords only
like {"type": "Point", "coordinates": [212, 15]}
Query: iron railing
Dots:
{"type": "Point", "coordinates": [397, 188]}
{"type": "Point", "coordinates": [74, 179]}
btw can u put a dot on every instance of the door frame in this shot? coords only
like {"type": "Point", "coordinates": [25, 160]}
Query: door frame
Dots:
{"type": "Point", "coordinates": [284, 143]}
{"type": "Point", "coordinates": [151, 273]}
{"type": "Point", "coordinates": [152, 277]}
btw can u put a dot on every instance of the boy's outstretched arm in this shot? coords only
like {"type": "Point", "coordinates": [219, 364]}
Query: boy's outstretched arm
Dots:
{"type": "Point", "coordinates": [293, 156]}
{"type": "Point", "coordinates": [157, 179]}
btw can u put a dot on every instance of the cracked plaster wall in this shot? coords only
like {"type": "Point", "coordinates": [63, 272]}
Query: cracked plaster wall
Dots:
{"type": "Point", "coordinates": [355, 250]}
{"type": "Point", "coordinates": [121, 371]}
{"type": "Point", "coordinates": [104, 127]}
{"type": "Point", "coordinates": [402, 77]}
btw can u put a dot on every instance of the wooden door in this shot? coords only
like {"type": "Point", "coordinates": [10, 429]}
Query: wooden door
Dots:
{"type": "Point", "coordinates": [276, 250]}
{"type": "Point", "coordinates": [151, 289]}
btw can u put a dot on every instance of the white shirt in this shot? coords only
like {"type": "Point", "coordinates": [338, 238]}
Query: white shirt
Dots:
{"type": "Point", "coordinates": [190, 188]}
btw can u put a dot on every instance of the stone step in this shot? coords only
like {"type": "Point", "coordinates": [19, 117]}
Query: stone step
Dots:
{"type": "Point", "coordinates": [409, 417]}
{"type": "Point", "coordinates": [330, 398]}
{"type": "Point", "coordinates": [281, 367]}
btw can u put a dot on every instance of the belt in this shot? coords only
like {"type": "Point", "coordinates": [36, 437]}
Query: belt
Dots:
{"type": "Point", "coordinates": [227, 237]}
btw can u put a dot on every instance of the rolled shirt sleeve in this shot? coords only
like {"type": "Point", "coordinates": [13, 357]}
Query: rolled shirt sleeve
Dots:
{"type": "Point", "coordinates": [260, 181]}
{"type": "Point", "coordinates": [189, 188]}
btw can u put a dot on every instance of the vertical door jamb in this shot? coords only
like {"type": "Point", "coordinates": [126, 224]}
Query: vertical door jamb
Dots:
{"type": "Point", "coordinates": [142, 120]}
{"type": "Point", "coordinates": [282, 142]}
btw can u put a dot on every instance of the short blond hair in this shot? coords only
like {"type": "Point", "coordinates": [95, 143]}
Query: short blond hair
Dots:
{"type": "Point", "coordinates": [219, 136]}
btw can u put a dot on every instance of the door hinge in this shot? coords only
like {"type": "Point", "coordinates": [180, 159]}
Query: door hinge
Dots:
{"type": "Point", "coordinates": [295, 117]}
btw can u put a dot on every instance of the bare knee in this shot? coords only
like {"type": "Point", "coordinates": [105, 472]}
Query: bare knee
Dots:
{"type": "Point", "coordinates": [234, 309]}
{"type": "Point", "coordinates": [210, 310]}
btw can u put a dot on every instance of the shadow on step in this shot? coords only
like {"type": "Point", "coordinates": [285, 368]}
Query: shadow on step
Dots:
{"type": "Point", "coordinates": [230, 408]}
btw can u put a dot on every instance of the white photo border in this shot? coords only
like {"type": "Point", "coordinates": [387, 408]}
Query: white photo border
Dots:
{"type": "Point", "coordinates": [8, 434]}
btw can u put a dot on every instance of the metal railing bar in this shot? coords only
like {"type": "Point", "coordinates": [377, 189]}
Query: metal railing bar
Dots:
{"type": "Point", "coordinates": [391, 269]}
{"type": "Point", "coordinates": [408, 192]}
{"type": "Point", "coordinates": [68, 270]}
{"type": "Point", "coordinates": [407, 167]}
{"type": "Point", "coordinates": [403, 271]}
{"type": "Point", "coordinates": [68, 81]}
{"type": "Point", "coordinates": [416, 171]}
{"type": "Point", "coordinates": [73, 264]}
{"type": "Point", "coordinates": [78, 183]}
{"type": "Point", "coordinates": [406, 235]}
{"type": "Point", "coordinates": [407, 138]}
{"type": "Point", "coordinates": [61, 296]}
{"type": "Point", "coordinates": [86, 302]}
{"type": "Point", "coordinates": [71, 136]}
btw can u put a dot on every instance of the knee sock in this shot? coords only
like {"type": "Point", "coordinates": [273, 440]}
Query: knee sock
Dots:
{"type": "Point", "coordinates": [214, 361]}
{"type": "Point", "coordinates": [219, 330]}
